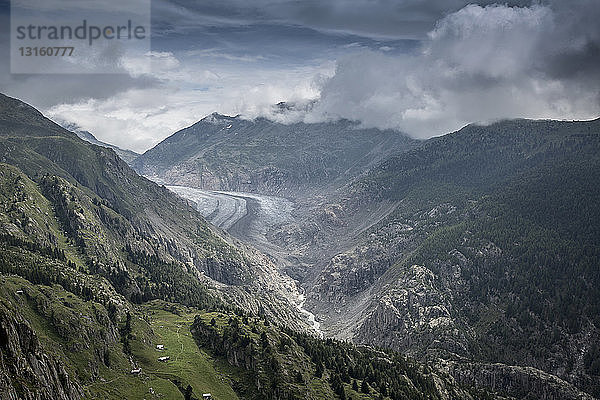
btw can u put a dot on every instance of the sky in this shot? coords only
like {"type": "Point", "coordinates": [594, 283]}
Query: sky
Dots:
{"type": "Point", "coordinates": [423, 67]}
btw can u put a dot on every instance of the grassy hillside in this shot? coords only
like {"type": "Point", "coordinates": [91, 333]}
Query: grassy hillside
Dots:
{"type": "Point", "coordinates": [230, 356]}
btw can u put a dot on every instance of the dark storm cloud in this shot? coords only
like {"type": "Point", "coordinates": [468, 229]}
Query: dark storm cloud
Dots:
{"type": "Point", "coordinates": [572, 48]}
{"type": "Point", "coordinates": [370, 18]}
{"type": "Point", "coordinates": [44, 91]}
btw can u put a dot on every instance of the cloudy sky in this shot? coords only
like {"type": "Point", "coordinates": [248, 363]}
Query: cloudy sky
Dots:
{"type": "Point", "coordinates": [423, 67]}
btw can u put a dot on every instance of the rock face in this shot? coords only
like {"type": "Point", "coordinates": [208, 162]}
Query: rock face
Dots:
{"type": "Point", "coordinates": [27, 371]}
{"type": "Point", "coordinates": [520, 382]}
{"type": "Point", "coordinates": [417, 310]}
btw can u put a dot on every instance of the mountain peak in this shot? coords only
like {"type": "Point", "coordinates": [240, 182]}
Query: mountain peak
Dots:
{"type": "Point", "coordinates": [216, 118]}
{"type": "Point", "coordinates": [79, 131]}
{"type": "Point", "coordinates": [126, 155]}
{"type": "Point", "coordinates": [291, 106]}
{"type": "Point", "coordinates": [17, 111]}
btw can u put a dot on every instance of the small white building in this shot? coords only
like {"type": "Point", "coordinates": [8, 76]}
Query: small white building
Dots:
{"type": "Point", "coordinates": [136, 371]}
{"type": "Point", "coordinates": [163, 359]}
{"type": "Point", "coordinates": [160, 347]}
{"type": "Point", "coordinates": [206, 396]}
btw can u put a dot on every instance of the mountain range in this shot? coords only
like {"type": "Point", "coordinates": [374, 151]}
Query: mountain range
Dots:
{"type": "Point", "coordinates": [460, 267]}
{"type": "Point", "coordinates": [476, 250]}
{"type": "Point", "coordinates": [488, 251]}
{"type": "Point", "coordinates": [111, 286]}
{"type": "Point", "coordinates": [262, 156]}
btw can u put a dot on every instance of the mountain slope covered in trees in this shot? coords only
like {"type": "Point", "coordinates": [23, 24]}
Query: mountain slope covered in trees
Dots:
{"type": "Point", "coordinates": [120, 225]}
{"type": "Point", "coordinates": [489, 253]}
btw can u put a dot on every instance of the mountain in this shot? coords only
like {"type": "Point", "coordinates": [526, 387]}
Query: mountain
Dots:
{"type": "Point", "coordinates": [126, 155]}
{"type": "Point", "coordinates": [231, 153]}
{"type": "Point", "coordinates": [112, 287]}
{"type": "Point", "coordinates": [60, 345]}
{"type": "Point", "coordinates": [476, 251]}
{"type": "Point", "coordinates": [480, 248]}
{"type": "Point", "coordinates": [121, 225]}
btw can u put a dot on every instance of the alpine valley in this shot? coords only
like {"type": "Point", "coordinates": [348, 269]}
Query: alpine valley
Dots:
{"type": "Point", "coordinates": [251, 259]}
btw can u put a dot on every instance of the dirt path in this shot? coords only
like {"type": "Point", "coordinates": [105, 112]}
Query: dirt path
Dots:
{"type": "Point", "coordinates": [180, 342]}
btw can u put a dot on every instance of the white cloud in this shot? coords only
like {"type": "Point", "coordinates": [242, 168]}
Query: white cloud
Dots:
{"type": "Point", "coordinates": [479, 64]}
{"type": "Point", "coordinates": [151, 63]}
{"type": "Point", "coordinates": [219, 53]}
{"type": "Point", "coordinates": [139, 118]}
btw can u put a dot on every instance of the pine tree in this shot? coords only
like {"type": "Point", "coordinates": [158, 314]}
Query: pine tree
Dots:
{"type": "Point", "coordinates": [319, 370]}
{"type": "Point", "coordinates": [188, 392]}
{"type": "Point", "coordinates": [264, 340]}
{"type": "Point", "coordinates": [365, 387]}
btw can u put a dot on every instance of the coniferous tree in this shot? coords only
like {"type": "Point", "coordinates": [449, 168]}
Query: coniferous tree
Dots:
{"type": "Point", "coordinates": [365, 387]}
{"type": "Point", "coordinates": [319, 370]}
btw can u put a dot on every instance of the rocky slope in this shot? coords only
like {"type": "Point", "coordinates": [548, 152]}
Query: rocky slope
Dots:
{"type": "Point", "coordinates": [488, 253]}
{"type": "Point", "coordinates": [477, 247]}
{"type": "Point", "coordinates": [27, 371]}
{"type": "Point", "coordinates": [61, 192]}
{"type": "Point", "coordinates": [262, 156]}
